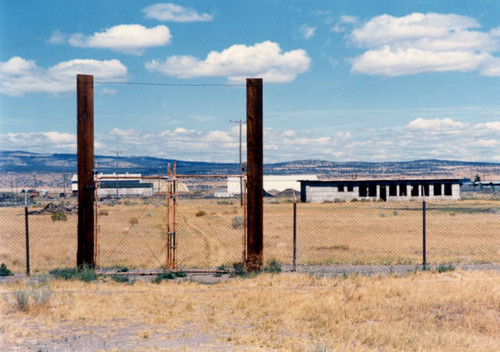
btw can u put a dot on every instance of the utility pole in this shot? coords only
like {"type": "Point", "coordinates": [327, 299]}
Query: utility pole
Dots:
{"type": "Point", "coordinates": [240, 170]}
{"type": "Point", "coordinates": [255, 181]}
{"type": "Point", "coordinates": [85, 160]}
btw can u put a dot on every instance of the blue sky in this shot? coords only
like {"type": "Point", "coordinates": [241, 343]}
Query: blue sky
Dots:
{"type": "Point", "coordinates": [343, 80]}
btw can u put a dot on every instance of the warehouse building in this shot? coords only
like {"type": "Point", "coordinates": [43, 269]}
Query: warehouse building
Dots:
{"type": "Point", "coordinates": [272, 183]}
{"type": "Point", "coordinates": [387, 190]}
{"type": "Point", "coordinates": [121, 185]}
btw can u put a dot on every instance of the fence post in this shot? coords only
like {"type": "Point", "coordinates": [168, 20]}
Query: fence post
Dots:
{"type": "Point", "coordinates": [255, 168]}
{"type": "Point", "coordinates": [424, 260]}
{"type": "Point", "coordinates": [85, 161]}
{"type": "Point", "coordinates": [294, 269]}
{"type": "Point", "coordinates": [26, 221]}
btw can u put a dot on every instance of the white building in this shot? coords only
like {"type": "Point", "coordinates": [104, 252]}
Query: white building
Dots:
{"type": "Point", "coordinates": [386, 190]}
{"type": "Point", "coordinates": [121, 185]}
{"type": "Point", "coordinates": [277, 183]}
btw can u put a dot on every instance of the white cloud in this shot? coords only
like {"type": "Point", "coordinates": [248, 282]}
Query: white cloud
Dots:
{"type": "Point", "coordinates": [433, 124]}
{"type": "Point", "coordinates": [39, 142]}
{"type": "Point", "coordinates": [307, 31]}
{"type": "Point", "coordinates": [344, 23]}
{"type": "Point", "coordinates": [429, 42]}
{"type": "Point", "coordinates": [126, 38]}
{"type": "Point", "coordinates": [57, 37]}
{"type": "Point", "coordinates": [174, 13]}
{"type": "Point", "coordinates": [19, 76]}
{"type": "Point", "coordinates": [238, 62]}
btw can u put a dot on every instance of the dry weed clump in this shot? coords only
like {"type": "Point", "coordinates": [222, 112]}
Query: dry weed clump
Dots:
{"type": "Point", "coordinates": [424, 311]}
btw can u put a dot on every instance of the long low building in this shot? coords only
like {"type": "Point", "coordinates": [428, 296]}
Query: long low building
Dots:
{"type": "Point", "coordinates": [125, 185]}
{"type": "Point", "coordinates": [386, 190]}
{"type": "Point", "coordinates": [277, 183]}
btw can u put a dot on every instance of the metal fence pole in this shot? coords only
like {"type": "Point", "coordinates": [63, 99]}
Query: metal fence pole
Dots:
{"type": "Point", "coordinates": [294, 232]}
{"type": "Point", "coordinates": [26, 221]}
{"type": "Point", "coordinates": [424, 259]}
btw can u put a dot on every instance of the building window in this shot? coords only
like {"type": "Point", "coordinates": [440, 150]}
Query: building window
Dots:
{"type": "Point", "coordinates": [341, 188]}
{"type": "Point", "coordinates": [425, 190]}
{"type": "Point", "coordinates": [363, 191]}
{"type": "Point", "coordinates": [350, 188]}
{"type": "Point", "coordinates": [437, 189]}
{"type": "Point", "coordinates": [372, 190]}
{"type": "Point", "coordinates": [447, 189]}
{"type": "Point", "coordinates": [414, 189]}
{"type": "Point", "coordinates": [402, 190]}
{"type": "Point", "coordinates": [393, 190]}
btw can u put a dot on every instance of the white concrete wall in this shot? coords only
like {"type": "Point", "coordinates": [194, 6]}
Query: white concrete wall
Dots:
{"type": "Point", "coordinates": [272, 182]}
{"type": "Point", "coordinates": [331, 193]}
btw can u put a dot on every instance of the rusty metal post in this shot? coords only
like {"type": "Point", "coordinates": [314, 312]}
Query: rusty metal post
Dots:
{"type": "Point", "coordinates": [255, 168]}
{"type": "Point", "coordinates": [85, 156]}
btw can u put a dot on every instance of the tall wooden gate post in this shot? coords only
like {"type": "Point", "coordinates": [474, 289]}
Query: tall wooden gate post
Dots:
{"type": "Point", "coordinates": [255, 168]}
{"type": "Point", "coordinates": [85, 156]}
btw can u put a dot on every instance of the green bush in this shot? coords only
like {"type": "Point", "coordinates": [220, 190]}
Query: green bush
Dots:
{"type": "Point", "coordinates": [4, 271]}
{"type": "Point", "coordinates": [163, 276]}
{"type": "Point", "coordinates": [239, 270]}
{"type": "Point", "coordinates": [86, 274]}
{"type": "Point", "coordinates": [200, 213]}
{"type": "Point", "coordinates": [120, 278]}
{"type": "Point", "coordinates": [442, 268]}
{"type": "Point", "coordinates": [272, 266]}
{"type": "Point", "coordinates": [59, 217]}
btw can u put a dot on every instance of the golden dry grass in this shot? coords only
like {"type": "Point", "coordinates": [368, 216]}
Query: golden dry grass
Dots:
{"type": "Point", "coordinates": [132, 234]}
{"type": "Point", "coordinates": [454, 311]}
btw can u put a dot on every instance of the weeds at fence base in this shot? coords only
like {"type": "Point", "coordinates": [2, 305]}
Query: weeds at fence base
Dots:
{"type": "Point", "coordinates": [169, 275]}
{"type": "Point", "coordinates": [4, 271]}
{"type": "Point", "coordinates": [120, 278]}
{"type": "Point", "coordinates": [442, 268]}
{"type": "Point", "coordinates": [85, 274]}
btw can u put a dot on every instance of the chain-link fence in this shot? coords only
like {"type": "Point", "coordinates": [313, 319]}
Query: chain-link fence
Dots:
{"type": "Point", "coordinates": [210, 231]}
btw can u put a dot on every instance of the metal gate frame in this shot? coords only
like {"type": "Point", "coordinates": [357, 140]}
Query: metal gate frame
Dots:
{"type": "Point", "coordinates": [171, 199]}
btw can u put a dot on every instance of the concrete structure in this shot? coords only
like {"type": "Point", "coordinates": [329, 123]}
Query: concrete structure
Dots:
{"type": "Point", "coordinates": [126, 185]}
{"type": "Point", "coordinates": [387, 190]}
{"type": "Point", "coordinates": [272, 183]}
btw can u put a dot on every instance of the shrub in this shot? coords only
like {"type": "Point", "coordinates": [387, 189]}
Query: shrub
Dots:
{"type": "Point", "coordinates": [103, 212]}
{"type": "Point", "coordinates": [163, 276]}
{"type": "Point", "coordinates": [35, 296]}
{"type": "Point", "coordinates": [239, 270]}
{"type": "Point", "coordinates": [59, 217]}
{"type": "Point", "coordinates": [200, 213]}
{"type": "Point", "coordinates": [133, 221]}
{"type": "Point", "coordinates": [224, 202]}
{"type": "Point", "coordinates": [442, 268]}
{"type": "Point", "coordinates": [237, 222]}
{"type": "Point", "coordinates": [120, 278]}
{"type": "Point", "coordinates": [272, 267]}
{"type": "Point", "coordinates": [4, 271]}
{"type": "Point", "coordinates": [86, 274]}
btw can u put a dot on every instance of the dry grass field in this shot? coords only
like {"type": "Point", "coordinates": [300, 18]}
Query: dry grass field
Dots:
{"type": "Point", "coordinates": [422, 311]}
{"type": "Point", "coordinates": [208, 234]}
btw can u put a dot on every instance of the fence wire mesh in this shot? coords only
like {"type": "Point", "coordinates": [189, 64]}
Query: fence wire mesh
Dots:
{"type": "Point", "coordinates": [210, 231]}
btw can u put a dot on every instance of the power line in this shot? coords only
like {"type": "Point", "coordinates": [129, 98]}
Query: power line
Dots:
{"type": "Point", "coordinates": [172, 84]}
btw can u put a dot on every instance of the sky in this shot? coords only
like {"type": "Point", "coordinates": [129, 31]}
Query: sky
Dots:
{"type": "Point", "coordinates": [344, 80]}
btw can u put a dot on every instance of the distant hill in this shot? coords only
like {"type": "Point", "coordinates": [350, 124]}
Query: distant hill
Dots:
{"type": "Point", "coordinates": [20, 162]}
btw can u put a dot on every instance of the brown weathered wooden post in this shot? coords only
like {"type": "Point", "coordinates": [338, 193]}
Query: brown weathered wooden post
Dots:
{"type": "Point", "coordinates": [255, 168]}
{"type": "Point", "coordinates": [85, 146]}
